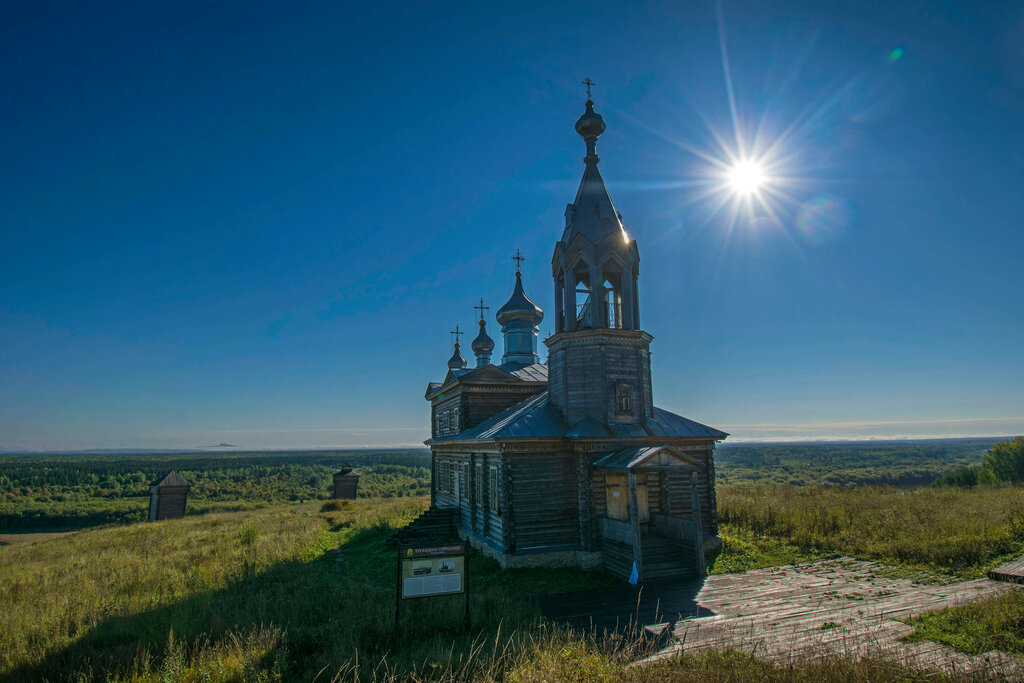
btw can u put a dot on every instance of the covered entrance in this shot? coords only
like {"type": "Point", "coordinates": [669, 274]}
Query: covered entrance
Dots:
{"type": "Point", "coordinates": [648, 501]}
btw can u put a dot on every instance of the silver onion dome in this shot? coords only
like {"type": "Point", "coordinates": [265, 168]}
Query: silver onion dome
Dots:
{"type": "Point", "coordinates": [482, 343]}
{"type": "Point", "coordinates": [519, 307]}
{"type": "Point", "coordinates": [456, 362]}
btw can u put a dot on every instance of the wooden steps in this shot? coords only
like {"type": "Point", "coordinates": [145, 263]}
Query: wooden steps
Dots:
{"type": "Point", "coordinates": [664, 558]}
{"type": "Point", "coordinates": [1011, 572]}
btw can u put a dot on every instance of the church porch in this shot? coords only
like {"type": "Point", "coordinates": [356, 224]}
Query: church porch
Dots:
{"type": "Point", "coordinates": [648, 504]}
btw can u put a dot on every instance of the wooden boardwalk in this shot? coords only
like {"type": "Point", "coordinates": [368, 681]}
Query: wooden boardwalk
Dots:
{"type": "Point", "coordinates": [836, 607]}
{"type": "Point", "coordinates": [1011, 572]}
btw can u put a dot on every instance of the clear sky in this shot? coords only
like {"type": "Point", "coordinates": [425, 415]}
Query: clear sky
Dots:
{"type": "Point", "coordinates": [256, 223]}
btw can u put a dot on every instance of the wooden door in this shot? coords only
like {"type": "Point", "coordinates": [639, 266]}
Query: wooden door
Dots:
{"type": "Point", "coordinates": [616, 488]}
{"type": "Point", "coordinates": [643, 509]}
{"type": "Point", "coordinates": [617, 496]}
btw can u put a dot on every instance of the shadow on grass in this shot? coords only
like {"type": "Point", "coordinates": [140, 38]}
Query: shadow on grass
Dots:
{"type": "Point", "coordinates": [625, 608]}
{"type": "Point", "coordinates": [330, 611]}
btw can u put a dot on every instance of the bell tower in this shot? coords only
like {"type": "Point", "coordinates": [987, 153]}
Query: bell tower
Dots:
{"type": "Point", "coordinates": [599, 358]}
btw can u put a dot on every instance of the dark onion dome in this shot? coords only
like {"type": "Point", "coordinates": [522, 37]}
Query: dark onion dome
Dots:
{"type": "Point", "coordinates": [482, 344]}
{"type": "Point", "coordinates": [590, 125]}
{"type": "Point", "coordinates": [456, 362]}
{"type": "Point", "coordinates": [519, 307]}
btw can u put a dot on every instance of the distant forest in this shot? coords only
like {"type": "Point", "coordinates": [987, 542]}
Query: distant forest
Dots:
{"type": "Point", "coordinates": [40, 492]}
{"type": "Point", "coordinates": [893, 463]}
{"type": "Point", "coordinates": [59, 492]}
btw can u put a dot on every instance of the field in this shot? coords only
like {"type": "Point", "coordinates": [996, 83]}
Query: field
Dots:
{"type": "Point", "coordinates": [259, 583]}
{"type": "Point", "coordinates": [290, 593]}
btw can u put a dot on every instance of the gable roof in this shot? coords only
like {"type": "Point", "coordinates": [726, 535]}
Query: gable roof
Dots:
{"type": "Point", "coordinates": [171, 479]}
{"type": "Point", "coordinates": [637, 458]}
{"type": "Point", "coordinates": [536, 417]}
{"type": "Point", "coordinates": [508, 372]}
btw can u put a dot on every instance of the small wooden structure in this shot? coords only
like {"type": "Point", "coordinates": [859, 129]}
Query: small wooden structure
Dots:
{"type": "Point", "coordinates": [167, 497]}
{"type": "Point", "coordinates": [346, 483]}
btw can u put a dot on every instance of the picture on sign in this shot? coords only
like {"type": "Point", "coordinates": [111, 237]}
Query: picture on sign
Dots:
{"type": "Point", "coordinates": [437, 570]}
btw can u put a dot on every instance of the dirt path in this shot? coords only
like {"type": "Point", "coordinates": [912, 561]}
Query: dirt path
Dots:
{"type": "Point", "coordinates": [10, 539]}
{"type": "Point", "coordinates": [828, 608]}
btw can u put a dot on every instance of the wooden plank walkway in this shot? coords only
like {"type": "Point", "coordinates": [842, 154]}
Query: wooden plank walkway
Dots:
{"type": "Point", "coordinates": [835, 607]}
{"type": "Point", "coordinates": [1011, 572]}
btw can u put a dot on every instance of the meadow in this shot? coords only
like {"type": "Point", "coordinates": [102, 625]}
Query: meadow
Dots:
{"type": "Point", "coordinates": [285, 588]}
{"type": "Point", "coordinates": [292, 593]}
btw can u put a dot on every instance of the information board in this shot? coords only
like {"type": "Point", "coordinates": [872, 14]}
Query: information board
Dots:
{"type": "Point", "coordinates": [434, 570]}
{"type": "Point", "coordinates": [427, 571]}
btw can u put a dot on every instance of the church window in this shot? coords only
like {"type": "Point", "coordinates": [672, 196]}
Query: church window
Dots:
{"type": "Point", "coordinates": [625, 406]}
{"type": "Point", "coordinates": [492, 489]}
{"type": "Point", "coordinates": [454, 426]}
{"type": "Point", "coordinates": [478, 493]}
{"type": "Point", "coordinates": [443, 480]}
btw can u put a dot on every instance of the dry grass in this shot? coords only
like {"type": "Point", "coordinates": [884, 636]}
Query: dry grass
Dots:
{"type": "Point", "coordinates": [263, 595]}
{"type": "Point", "coordinates": [954, 531]}
{"type": "Point", "coordinates": [56, 591]}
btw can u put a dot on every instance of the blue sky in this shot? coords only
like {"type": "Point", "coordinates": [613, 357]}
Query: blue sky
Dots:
{"type": "Point", "coordinates": [256, 223]}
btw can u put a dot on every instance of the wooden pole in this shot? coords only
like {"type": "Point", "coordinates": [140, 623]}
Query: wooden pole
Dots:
{"type": "Point", "coordinates": [398, 589]}
{"type": "Point", "coordinates": [634, 516]}
{"type": "Point", "coordinates": [698, 527]}
{"type": "Point", "coordinates": [465, 565]}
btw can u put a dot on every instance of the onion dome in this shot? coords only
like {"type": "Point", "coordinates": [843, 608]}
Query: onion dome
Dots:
{"type": "Point", "coordinates": [482, 346]}
{"type": "Point", "coordinates": [456, 362]}
{"type": "Point", "coordinates": [519, 307]}
{"type": "Point", "coordinates": [590, 126]}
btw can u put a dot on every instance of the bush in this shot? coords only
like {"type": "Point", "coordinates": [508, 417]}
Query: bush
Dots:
{"type": "Point", "coordinates": [337, 506]}
{"type": "Point", "coordinates": [1005, 462]}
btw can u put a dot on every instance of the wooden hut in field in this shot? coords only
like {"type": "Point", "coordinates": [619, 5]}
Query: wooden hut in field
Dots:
{"type": "Point", "coordinates": [346, 484]}
{"type": "Point", "coordinates": [167, 497]}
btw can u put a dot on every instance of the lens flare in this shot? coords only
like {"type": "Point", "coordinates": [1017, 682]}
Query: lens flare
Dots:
{"type": "Point", "coordinates": [746, 177]}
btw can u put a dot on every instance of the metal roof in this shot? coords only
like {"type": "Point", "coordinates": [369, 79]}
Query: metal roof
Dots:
{"type": "Point", "coordinates": [171, 479]}
{"type": "Point", "coordinates": [538, 372]}
{"type": "Point", "coordinates": [536, 417]}
{"type": "Point", "coordinates": [632, 457]}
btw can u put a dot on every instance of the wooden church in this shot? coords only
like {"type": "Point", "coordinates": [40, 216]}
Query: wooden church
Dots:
{"type": "Point", "coordinates": [570, 463]}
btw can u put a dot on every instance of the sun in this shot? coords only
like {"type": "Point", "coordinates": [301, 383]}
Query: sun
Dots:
{"type": "Point", "coordinates": [746, 177]}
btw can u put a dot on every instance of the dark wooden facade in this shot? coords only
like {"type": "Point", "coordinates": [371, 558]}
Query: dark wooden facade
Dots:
{"type": "Point", "coordinates": [168, 497]}
{"type": "Point", "coordinates": [346, 484]}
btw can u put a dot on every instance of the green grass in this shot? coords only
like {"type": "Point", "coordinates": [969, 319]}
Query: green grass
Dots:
{"type": "Point", "coordinates": [744, 550]}
{"type": "Point", "coordinates": [285, 590]}
{"type": "Point", "coordinates": [292, 593]}
{"type": "Point", "coordinates": [992, 624]}
{"type": "Point", "coordinates": [952, 532]}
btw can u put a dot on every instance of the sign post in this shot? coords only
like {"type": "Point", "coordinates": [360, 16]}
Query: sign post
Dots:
{"type": "Point", "coordinates": [429, 571]}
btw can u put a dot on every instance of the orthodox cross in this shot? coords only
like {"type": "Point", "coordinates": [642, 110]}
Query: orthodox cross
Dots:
{"type": "Point", "coordinates": [587, 82]}
{"type": "Point", "coordinates": [482, 308]}
{"type": "Point", "coordinates": [518, 258]}
{"type": "Point", "coordinates": [456, 333]}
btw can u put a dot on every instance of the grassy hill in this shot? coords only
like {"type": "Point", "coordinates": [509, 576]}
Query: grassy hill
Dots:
{"type": "Point", "coordinates": [293, 593]}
